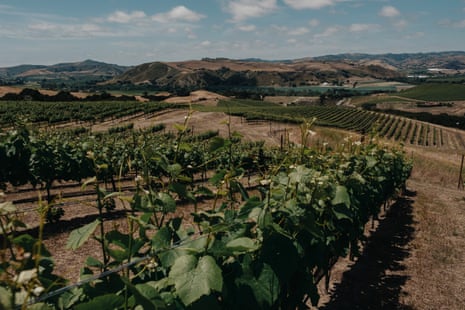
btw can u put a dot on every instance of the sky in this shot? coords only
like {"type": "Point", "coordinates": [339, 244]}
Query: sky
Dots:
{"type": "Point", "coordinates": [132, 32]}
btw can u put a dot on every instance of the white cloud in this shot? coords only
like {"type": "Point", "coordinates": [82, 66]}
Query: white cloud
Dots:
{"type": "Point", "coordinates": [124, 18]}
{"type": "Point", "coordinates": [402, 23]}
{"type": "Point", "coordinates": [452, 24]}
{"type": "Point", "coordinates": [205, 43]}
{"type": "Point", "coordinates": [43, 26]}
{"type": "Point", "coordinates": [298, 31]}
{"type": "Point", "coordinates": [389, 11]}
{"type": "Point", "coordinates": [329, 32]}
{"type": "Point", "coordinates": [55, 30]}
{"type": "Point", "coordinates": [190, 33]}
{"type": "Point", "coordinates": [247, 28]}
{"type": "Point", "coordinates": [314, 22]}
{"type": "Point", "coordinates": [4, 7]}
{"type": "Point", "coordinates": [459, 24]}
{"type": "Point", "coordinates": [309, 4]}
{"type": "Point", "coordinates": [283, 30]}
{"type": "Point", "coordinates": [415, 35]}
{"type": "Point", "coordinates": [363, 27]}
{"type": "Point", "coordinates": [245, 9]}
{"type": "Point", "coordinates": [179, 13]}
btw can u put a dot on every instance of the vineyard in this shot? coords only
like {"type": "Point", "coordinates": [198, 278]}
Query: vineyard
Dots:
{"type": "Point", "coordinates": [181, 215]}
{"type": "Point", "coordinates": [395, 128]}
{"type": "Point", "coordinates": [210, 221]}
{"type": "Point", "coordinates": [85, 114]}
{"type": "Point", "coordinates": [54, 113]}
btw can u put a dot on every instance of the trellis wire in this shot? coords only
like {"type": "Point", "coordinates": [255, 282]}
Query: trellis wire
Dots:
{"type": "Point", "coordinates": [136, 261]}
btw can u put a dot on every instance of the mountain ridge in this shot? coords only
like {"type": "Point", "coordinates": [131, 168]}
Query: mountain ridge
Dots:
{"type": "Point", "coordinates": [88, 67]}
{"type": "Point", "coordinates": [225, 72]}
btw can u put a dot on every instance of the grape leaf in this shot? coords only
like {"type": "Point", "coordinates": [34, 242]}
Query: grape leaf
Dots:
{"type": "Point", "coordinates": [194, 278]}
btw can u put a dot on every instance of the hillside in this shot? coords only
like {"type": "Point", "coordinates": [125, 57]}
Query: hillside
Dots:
{"type": "Point", "coordinates": [405, 62]}
{"type": "Point", "coordinates": [228, 72]}
{"type": "Point", "coordinates": [63, 70]}
{"type": "Point", "coordinates": [212, 73]}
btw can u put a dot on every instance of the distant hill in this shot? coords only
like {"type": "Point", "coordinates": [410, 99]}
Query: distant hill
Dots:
{"type": "Point", "coordinates": [453, 60]}
{"type": "Point", "coordinates": [222, 72]}
{"type": "Point", "coordinates": [65, 71]}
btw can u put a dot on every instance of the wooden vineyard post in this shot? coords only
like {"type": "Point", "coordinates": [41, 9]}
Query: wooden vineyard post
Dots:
{"type": "Point", "coordinates": [460, 185]}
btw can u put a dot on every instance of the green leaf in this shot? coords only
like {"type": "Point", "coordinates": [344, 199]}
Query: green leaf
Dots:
{"type": "Point", "coordinates": [251, 204]}
{"type": "Point", "coordinates": [218, 177]}
{"type": "Point", "coordinates": [5, 298]}
{"type": "Point", "coordinates": [169, 257]}
{"type": "Point", "coordinates": [299, 174]}
{"type": "Point", "coordinates": [341, 196]}
{"type": "Point", "coordinates": [174, 169]}
{"type": "Point", "coordinates": [195, 278]}
{"type": "Point", "coordinates": [265, 219]}
{"type": "Point", "coordinates": [149, 293]}
{"type": "Point", "coordinates": [109, 301]}
{"type": "Point", "coordinates": [241, 245]}
{"type": "Point", "coordinates": [145, 295]}
{"type": "Point", "coordinates": [281, 254]}
{"type": "Point", "coordinates": [265, 289]}
{"type": "Point", "coordinates": [162, 239]}
{"type": "Point", "coordinates": [93, 262]}
{"type": "Point", "coordinates": [179, 127]}
{"type": "Point", "coordinates": [166, 202]}
{"type": "Point", "coordinates": [371, 161]}
{"type": "Point", "coordinates": [237, 135]}
{"type": "Point", "coordinates": [79, 236]}
{"type": "Point", "coordinates": [342, 212]}
{"type": "Point", "coordinates": [122, 241]}
{"type": "Point", "coordinates": [40, 306]}
{"type": "Point", "coordinates": [89, 181]}
{"type": "Point", "coordinates": [29, 244]}
{"type": "Point", "coordinates": [237, 186]}
{"type": "Point", "coordinates": [7, 208]}
{"type": "Point", "coordinates": [205, 191]}
{"type": "Point", "coordinates": [216, 143]}
{"type": "Point", "coordinates": [69, 298]}
{"type": "Point", "coordinates": [197, 245]}
{"type": "Point", "coordinates": [179, 189]}
{"type": "Point", "coordinates": [186, 147]}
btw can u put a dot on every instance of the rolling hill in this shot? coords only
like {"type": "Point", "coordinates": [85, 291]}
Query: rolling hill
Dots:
{"type": "Point", "coordinates": [453, 60]}
{"type": "Point", "coordinates": [251, 72]}
{"type": "Point", "coordinates": [227, 72]}
{"type": "Point", "coordinates": [88, 67]}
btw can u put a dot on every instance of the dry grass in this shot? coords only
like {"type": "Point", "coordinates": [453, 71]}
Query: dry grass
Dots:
{"type": "Point", "coordinates": [436, 267]}
{"type": "Point", "coordinates": [416, 257]}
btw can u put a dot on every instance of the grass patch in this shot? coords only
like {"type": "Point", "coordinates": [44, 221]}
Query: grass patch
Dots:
{"type": "Point", "coordinates": [374, 100]}
{"type": "Point", "coordinates": [436, 92]}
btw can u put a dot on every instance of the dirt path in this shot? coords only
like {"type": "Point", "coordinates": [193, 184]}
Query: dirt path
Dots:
{"type": "Point", "coordinates": [416, 257]}
{"type": "Point", "coordinates": [376, 279]}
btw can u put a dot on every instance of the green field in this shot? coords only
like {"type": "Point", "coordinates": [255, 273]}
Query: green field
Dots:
{"type": "Point", "coordinates": [436, 92]}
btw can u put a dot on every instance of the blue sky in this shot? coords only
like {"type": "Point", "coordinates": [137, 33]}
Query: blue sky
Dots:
{"type": "Point", "coordinates": [131, 32]}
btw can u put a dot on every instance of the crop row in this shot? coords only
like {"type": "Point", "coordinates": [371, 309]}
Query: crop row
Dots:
{"type": "Point", "coordinates": [397, 128]}
{"type": "Point", "coordinates": [57, 112]}
{"type": "Point", "coordinates": [262, 249]}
